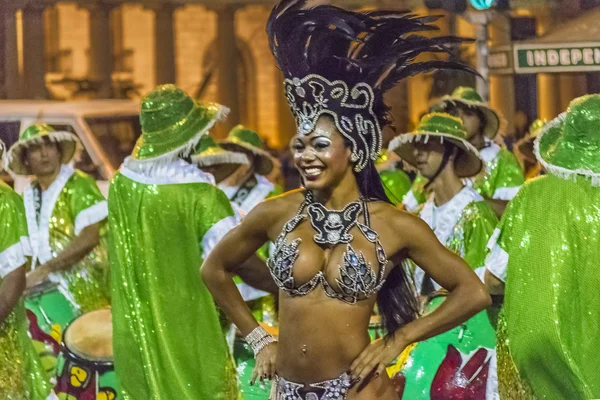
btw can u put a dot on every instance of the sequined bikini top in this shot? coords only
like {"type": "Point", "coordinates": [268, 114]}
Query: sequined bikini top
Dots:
{"type": "Point", "coordinates": [357, 281]}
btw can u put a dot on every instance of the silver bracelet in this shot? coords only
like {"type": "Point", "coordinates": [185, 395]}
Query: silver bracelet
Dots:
{"type": "Point", "coordinates": [258, 339]}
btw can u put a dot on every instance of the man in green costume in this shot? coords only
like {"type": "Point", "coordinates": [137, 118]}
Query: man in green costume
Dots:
{"type": "Point", "coordinates": [546, 252]}
{"type": "Point", "coordinates": [464, 222]}
{"type": "Point", "coordinates": [165, 216]}
{"type": "Point", "coordinates": [66, 218]}
{"type": "Point", "coordinates": [21, 375]}
{"type": "Point", "coordinates": [502, 176]}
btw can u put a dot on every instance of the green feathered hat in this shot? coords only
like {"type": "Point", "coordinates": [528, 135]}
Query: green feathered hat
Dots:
{"type": "Point", "coordinates": [172, 124]}
{"type": "Point", "coordinates": [34, 134]}
{"type": "Point", "coordinates": [469, 97]}
{"type": "Point", "coordinates": [447, 129]}
{"type": "Point", "coordinates": [569, 145]}
{"type": "Point", "coordinates": [246, 140]}
{"type": "Point", "coordinates": [209, 153]}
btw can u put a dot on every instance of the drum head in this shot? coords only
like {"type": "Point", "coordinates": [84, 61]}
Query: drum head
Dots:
{"type": "Point", "coordinates": [90, 337]}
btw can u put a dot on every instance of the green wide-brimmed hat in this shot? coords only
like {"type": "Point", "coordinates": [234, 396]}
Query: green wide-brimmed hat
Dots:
{"type": "Point", "coordinates": [67, 143]}
{"type": "Point", "coordinates": [243, 139]}
{"type": "Point", "coordinates": [209, 153]}
{"type": "Point", "coordinates": [172, 124]}
{"type": "Point", "coordinates": [569, 145]}
{"type": "Point", "coordinates": [470, 98]}
{"type": "Point", "coordinates": [447, 129]}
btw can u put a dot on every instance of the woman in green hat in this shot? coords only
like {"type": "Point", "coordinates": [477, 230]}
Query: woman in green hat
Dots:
{"type": "Point", "coordinates": [165, 217]}
{"type": "Point", "coordinates": [544, 258]}
{"type": "Point", "coordinates": [463, 222]}
{"type": "Point", "coordinates": [21, 374]}
{"type": "Point", "coordinates": [66, 218]}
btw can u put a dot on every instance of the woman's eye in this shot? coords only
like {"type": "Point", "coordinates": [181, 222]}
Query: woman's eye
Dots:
{"type": "Point", "coordinates": [321, 145]}
{"type": "Point", "coordinates": [297, 147]}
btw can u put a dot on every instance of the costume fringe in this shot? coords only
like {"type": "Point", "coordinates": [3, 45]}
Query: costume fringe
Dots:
{"type": "Point", "coordinates": [228, 157]}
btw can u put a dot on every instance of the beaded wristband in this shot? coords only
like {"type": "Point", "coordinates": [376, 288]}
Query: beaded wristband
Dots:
{"type": "Point", "coordinates": [258, 339]}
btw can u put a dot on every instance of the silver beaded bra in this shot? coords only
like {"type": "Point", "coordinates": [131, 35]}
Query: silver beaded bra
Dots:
{"type": "Point", "coordinates": [357, 281]}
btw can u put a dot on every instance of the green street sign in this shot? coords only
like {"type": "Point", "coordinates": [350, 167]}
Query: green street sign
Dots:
{"type": "Point", "coordinates": [559, 57]}
{"type": "Point", "coordinates": [499, 60]}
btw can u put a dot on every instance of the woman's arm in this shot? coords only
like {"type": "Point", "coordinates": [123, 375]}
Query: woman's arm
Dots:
{"type": "Point", "coordinates": [467, 296]}
{"type": "Point", "coordinates": [11, 289]}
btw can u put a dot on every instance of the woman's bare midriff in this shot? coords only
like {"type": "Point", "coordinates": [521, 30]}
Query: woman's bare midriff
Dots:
{"type": "Point", "coordinates": [320, 337]}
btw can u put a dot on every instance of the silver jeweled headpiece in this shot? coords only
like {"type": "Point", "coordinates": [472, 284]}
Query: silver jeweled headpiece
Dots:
{"type": "Point", "coordinates": [340, 63]}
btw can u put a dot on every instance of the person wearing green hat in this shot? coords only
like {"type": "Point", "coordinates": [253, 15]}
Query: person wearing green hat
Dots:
{"type": "Point", "coordinates": [524, 150]}
{"type": "Point", "coordinates": [544, 257]}
{"type": "Point", "coordinates": [463, 222]}
{"type": "Point", "coordinates": [66, 218]}
{"type": "Point", "coordinates": [165, 216]}
{"type": "Point", "coordinates": [21, 373]}
{"type": "Point", "coordinates": [502, 176]}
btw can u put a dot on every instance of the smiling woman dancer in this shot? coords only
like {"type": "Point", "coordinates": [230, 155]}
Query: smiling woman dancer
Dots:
{"type": "Point", "coordinates": [339, 243]}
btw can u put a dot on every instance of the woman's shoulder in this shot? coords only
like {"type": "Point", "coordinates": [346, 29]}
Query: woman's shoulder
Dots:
{"type": "Point", "coordinates": [278, 208]}
{"type": "Point", "coordinates": [393, 219]}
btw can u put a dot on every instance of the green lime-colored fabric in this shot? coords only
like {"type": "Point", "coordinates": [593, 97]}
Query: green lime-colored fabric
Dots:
{"type": "Point", "coordinates": [88, 280]}
{"type": "Point", "coordinates": [170, 119]}
{"type": "Point", "coordinates": [168, 342]}
{"type": "Point", "coordinates": [472, 233]}
{"type": "Point", "coordinates": [21, 373]}
{"type": "Point", "coordinates": [396, 184]}
{"type": "Point", "coordinates": [550, 232]}
{"type": "Point", "coordinates": [572, 141]}
{"type": "Point", "coordinates": [504, 171]}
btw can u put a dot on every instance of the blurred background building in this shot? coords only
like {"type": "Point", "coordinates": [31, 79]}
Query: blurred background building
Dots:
{"type": "Point", "coordinates": [217, 50]}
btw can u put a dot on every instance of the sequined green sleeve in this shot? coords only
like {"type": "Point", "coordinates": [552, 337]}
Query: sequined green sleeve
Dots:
{"type": "Point", "coordinates": [87, 204]}
{"type": "Point", "coordinates": [479, 223]}
{"type": "Point", "coordinates": [276, 191]}
{"type": "Point", "coordinates": [504, 179]}
{"type": "Point", "coordinates": [14, 245]}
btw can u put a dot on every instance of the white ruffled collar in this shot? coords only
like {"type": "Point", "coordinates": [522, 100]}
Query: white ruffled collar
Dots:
{"type": "Point", "coordinates": [490, 151]}
{"type": "Point", "coordinates": [259, 193]}
{"type": "Point", "coordinates": [176, 172]}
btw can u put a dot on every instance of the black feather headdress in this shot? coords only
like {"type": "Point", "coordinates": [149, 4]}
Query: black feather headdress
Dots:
{"type": "Point", "coordinates": [340, 63]}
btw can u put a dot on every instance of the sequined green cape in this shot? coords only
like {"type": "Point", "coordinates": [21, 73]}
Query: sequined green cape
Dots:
{"type": "Point", "coordinates": [71, 203]}
{"type": "Point", "coordinates": [168, 342]}
{"type": "Point", "coordinates": [21, 375]}
{"type": "Point", "coordinates": [547, 250]}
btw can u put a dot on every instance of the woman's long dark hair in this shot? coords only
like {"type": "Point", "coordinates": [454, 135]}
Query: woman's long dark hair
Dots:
{"type": "Point", "coordinates": [397, 301]}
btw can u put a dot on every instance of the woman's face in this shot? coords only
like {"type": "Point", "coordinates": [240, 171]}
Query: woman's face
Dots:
{"type": "Point", "coordinates": [321, 157]}
{"type": "Point", "coordinates": [429, 157]}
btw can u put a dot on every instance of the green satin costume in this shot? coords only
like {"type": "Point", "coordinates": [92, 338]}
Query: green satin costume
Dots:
{"type": "Point", "coordinates": [168, 342]}
{"type": "Point", "coordinates": [21, 374]}
{"type": "Point", "coordinates": [546, 250]}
